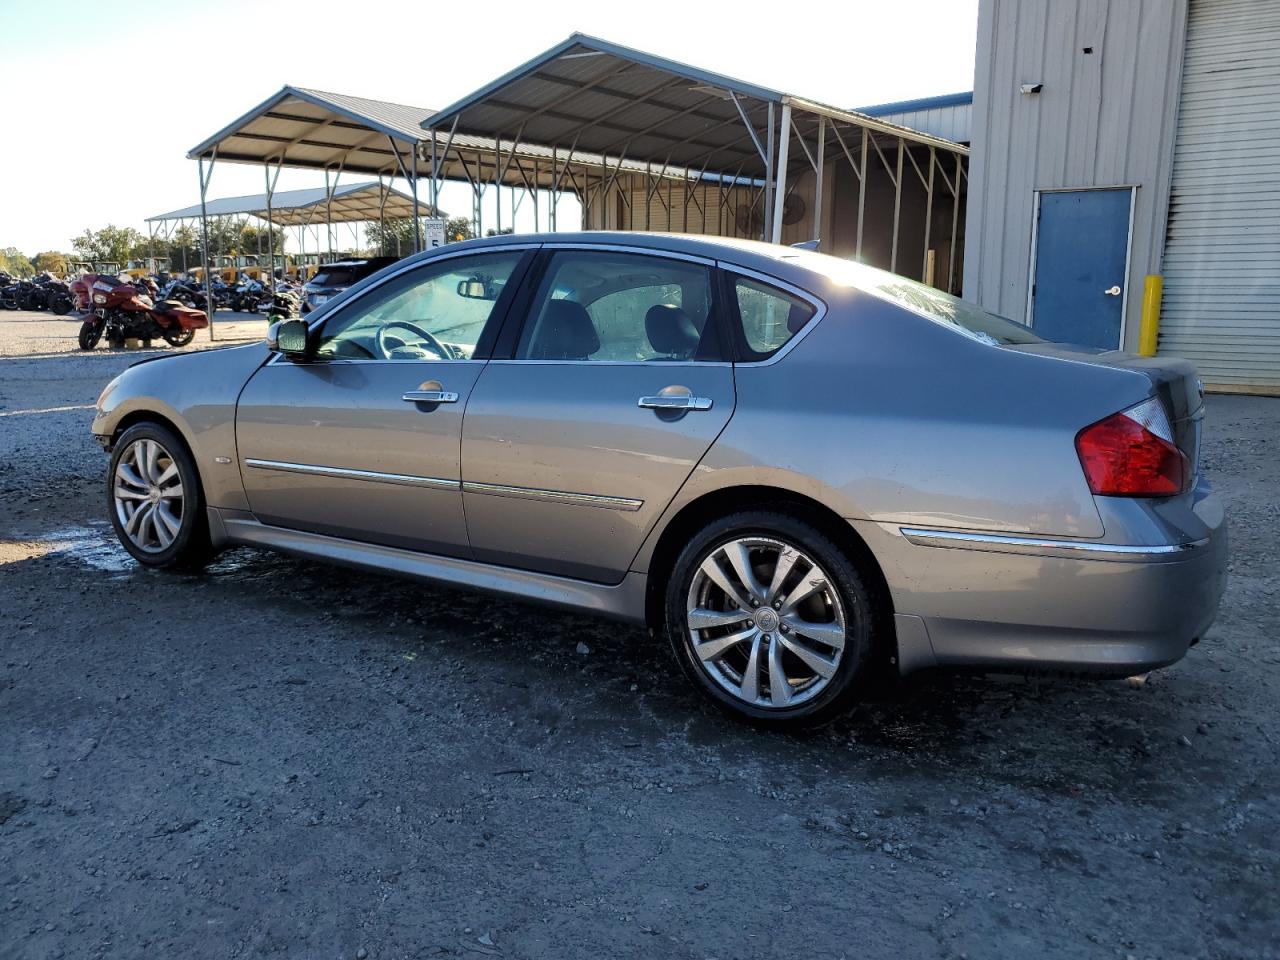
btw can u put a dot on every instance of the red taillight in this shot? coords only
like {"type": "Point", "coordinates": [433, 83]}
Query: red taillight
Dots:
{"type": "Point", "coordinates": [1132, 454]}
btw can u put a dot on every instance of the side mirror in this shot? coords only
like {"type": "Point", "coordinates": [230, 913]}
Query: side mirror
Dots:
{"type": "Point", "coordinates": [475, 289]}
{"type": "Point", "coordinates": [289, 338]}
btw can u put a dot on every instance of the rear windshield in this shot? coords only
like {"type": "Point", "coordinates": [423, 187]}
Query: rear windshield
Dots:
{"type": "Point", "coordinates": [929, 302]}
{"type": "Point", "coordinates": [336, 276]}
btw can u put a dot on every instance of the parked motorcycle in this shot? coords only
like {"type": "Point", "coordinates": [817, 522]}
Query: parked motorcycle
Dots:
{"type": "Point", "coordinates": [248, 296]}
{"type": "Point", "coordinates": [191, 294]}
{"type": "Point", "coordinates": [57, 295]}
{"type": "Point", "coordinates": [284, 306]}
{"type": "Point", "coordinates": [10, 287]}
{"type": "Point", "coordinates": [120, 311]}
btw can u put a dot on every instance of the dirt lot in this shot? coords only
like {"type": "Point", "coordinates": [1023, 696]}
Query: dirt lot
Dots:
{"type": "Point", "coordinates": [284, 758]}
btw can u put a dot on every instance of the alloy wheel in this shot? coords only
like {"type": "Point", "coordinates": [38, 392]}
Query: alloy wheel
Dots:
{"type": "Point", "coordinates": [148, 495]}
{"type": "Point", "coordinates": [766, 622]}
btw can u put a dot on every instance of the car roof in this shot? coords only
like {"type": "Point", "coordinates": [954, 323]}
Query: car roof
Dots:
{"type": "Point", "coordinates": [787, 263]}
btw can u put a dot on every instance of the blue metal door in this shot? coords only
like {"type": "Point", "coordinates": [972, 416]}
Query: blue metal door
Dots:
{"type": "Point", "coordinates": [1081, 251]}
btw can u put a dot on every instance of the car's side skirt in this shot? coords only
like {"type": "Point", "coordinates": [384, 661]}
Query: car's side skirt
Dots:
{"type": "Point", "coordinates": [624, 601]}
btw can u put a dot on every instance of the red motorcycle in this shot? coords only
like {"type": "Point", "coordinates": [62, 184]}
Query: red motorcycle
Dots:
{"type": "Point", "coordinates": [121, 311]}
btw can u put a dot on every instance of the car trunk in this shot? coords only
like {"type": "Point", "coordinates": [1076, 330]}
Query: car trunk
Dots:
{"type": "Point", "coordinates": [1173, 380]}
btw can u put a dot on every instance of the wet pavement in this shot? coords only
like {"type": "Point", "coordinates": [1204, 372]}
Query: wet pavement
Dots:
{"type": "Point", "coordinates": [278, 757]}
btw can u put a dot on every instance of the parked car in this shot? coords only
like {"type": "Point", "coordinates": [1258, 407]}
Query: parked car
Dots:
{"type": "Point", "coordinates": [792, 466]}
{"type": "Point", "coordinates": [332, 278]}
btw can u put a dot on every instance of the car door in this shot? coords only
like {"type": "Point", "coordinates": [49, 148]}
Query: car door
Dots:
{"type": "Point", "coordinates": [614, 383]}
{"type": "Point", "coordinates": [362, 441]}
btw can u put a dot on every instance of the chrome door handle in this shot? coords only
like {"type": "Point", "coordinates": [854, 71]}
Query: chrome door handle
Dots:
{"type": "Point", "coordinates": [1112, 291]}
{"type": "Point", "coordinates": [430, 396]}
{"type": "Point", "coordinates": [675, 402]}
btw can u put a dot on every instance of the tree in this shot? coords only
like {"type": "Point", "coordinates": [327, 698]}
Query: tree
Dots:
{"type": "Point", "coordinates": [52, 262]}
{"type": "Point", "coordinates": [15, 263]}
{"type": "Point", "coordinates": [182, 248]}
{"type": "Point", "coordinates": [390, 237]}
{"type": "Point", "coordinates": [395, 237]}
{"type": "Point", "coordinates": [457, 228]}
{"type": "Point", "coordinates": [111, 243]}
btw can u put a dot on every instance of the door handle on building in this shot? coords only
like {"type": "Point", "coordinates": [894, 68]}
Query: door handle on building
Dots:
{"type": "Point", "coordinates": [1113, 291]}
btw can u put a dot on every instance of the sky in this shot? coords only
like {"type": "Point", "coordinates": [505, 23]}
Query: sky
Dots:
{"type": "Point", "coordinates": [104, 99]}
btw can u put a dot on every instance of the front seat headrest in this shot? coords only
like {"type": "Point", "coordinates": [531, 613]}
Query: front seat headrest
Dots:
{"type": "Point", "coordinates": [565, 332]}
{"type": "Point", "coordinates": [670, 331]}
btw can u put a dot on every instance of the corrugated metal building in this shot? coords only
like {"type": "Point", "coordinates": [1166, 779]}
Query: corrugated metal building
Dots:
{"type": "Point", "coordinates": [1118, 138]}
{"type": "Point", "coordinates": [949, 116]}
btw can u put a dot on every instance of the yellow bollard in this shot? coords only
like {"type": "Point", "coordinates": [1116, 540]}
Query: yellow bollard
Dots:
{"type": "Point", "coordinates": [1149, 331]}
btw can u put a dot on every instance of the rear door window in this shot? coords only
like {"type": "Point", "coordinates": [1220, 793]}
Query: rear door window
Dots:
{"type": "Point", "coordinates": [621, 308]}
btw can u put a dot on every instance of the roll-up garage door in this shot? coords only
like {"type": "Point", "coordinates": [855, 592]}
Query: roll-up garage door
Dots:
{"type": "Point", "coordinates": [1222, 253]}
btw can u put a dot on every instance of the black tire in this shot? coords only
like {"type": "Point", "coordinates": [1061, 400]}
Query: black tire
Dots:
{"type": "Point", "coordinates": [863, 612]}
{"type": "Point", "coordinates": [90, 334]}
{"type": "Point", "coordinates": [191, 548]}
{"type": "Point", "coordinates": [178, 338]}
{"type": "Point", "coordinates": [61, 304]}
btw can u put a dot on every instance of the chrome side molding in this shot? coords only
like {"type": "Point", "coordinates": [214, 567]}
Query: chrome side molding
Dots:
{"type": "Point", "coordinates": [343, 473]}
{"type": "Point", "coordinates": [553, 496]}
{"type": "Point", "coordinates": [1047, 546]}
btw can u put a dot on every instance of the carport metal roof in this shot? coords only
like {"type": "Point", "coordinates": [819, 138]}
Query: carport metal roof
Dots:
{"type": "Point", "coordinates": [318, 130]}
{"type": "Point", "coordinates": [597, 97]}
{"type": "Point", "coordinates": [587, 95]}
{"type": "Point", "coordinates": [355, 202]}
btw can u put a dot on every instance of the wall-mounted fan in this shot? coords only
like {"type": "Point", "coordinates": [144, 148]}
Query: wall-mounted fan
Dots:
{"type": "Point", "coordinates": [793, 209]}
{"type": "Point", "coordinates": [749, 220]}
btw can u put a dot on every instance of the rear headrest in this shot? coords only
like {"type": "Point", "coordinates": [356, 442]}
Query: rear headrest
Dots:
{"type": "Point", "coordinates": [565, 332]}
{"type": "Point", "coordinates": [670, 331]}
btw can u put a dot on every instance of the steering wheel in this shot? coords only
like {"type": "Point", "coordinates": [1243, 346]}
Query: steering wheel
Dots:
{"type": "Point", "coordinates": [427, 340]}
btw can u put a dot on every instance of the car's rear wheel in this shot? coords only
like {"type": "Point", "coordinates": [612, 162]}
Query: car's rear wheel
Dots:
{"type": "Point", "coordinates": [771, 619]}
{"type": "Point", "coordinates": [155, 498]}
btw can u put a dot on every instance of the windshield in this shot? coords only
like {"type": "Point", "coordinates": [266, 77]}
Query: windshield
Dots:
{"type": "Point", "coordinates": [929, 302]}
{"type": "Point", "coordinates": [334, 277]}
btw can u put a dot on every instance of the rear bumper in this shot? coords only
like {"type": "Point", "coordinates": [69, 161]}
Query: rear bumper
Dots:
{"type": "Point", "coordinates": [1042, 604]}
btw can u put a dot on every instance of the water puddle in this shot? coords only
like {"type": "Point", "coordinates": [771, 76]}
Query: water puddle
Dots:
{"type": "Point", "coordinates": [95, 546]}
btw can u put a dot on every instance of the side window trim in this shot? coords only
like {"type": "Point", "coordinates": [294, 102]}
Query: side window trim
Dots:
{"type": "Point", "coordinates": [520, 312]}
{"type": "Point", "coordinates": [737, 335]}
{"type": "Point", "coordinates": [501, 309]}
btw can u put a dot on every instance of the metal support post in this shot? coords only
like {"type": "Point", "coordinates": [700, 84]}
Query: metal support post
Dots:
{"type": "Point", "coordinates": [204, 234]}
{"type": "Point", "coordinates": [780, 191]}
{"type": "Point", "coordinates": [817, 178]}
{"type": "Point", "coordinates": [897, 209]}
{"type": "Point", "coordinates": [271, 238]}
{"type": "Point", "coordinates": [862, 194]}
{"type": "Point", "coordinates": [768, 182]}
{"type": "Point", "coordinates": [417, 216]}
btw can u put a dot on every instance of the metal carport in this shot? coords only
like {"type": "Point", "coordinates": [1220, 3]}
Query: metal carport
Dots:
{"type": "Point", "coordinates": [866, 187]}
{"type": "Point", "coordinates": [346, 203]}
{"type": "Point", "coordinates": [337, 133]}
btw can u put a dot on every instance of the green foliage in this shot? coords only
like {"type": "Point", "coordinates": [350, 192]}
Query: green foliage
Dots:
{"type": "Point", "coordinates": [51, 261]}
{"type": "Point", "coordinates": [391, 238]}
{"type": "Point", "coordinates": [111, 243]}
{"type": "Point", "coordinates": [15, 263]}
{"type": "Point", "coordinates": [458, 228]}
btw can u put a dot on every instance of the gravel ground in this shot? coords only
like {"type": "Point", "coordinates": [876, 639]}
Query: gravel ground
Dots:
{"type": "Point", "coordinates": [280, 757]}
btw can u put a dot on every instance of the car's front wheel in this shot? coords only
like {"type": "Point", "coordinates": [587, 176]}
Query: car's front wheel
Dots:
{"type": "Point", "coordinates": [155, 498]}
{"type": "Point", "coordinates": [771, 619]}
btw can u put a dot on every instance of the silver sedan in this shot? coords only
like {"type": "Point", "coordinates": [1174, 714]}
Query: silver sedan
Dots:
{"type": "Point", "coordinates": [793, 467]}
